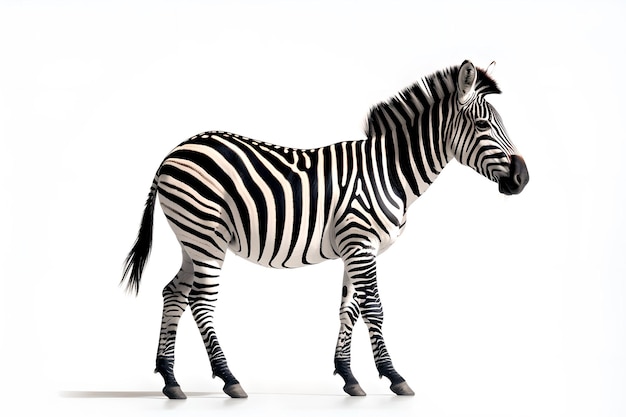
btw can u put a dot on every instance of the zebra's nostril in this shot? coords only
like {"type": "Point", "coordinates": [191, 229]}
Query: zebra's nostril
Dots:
{"type": "Point", "coordinates": [517, 179]}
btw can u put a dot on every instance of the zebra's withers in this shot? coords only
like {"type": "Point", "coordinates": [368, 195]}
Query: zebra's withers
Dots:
{"type": "Point", "coordinates": [284, 207]}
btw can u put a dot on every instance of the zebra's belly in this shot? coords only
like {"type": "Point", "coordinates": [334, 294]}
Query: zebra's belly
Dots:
{"type": "Point", "coordinates": [294, 252]}
{"type": "Point", "coordinates": [307, 248]}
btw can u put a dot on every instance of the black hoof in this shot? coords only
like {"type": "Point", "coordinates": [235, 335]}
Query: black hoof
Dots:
{"type": "Point", "coordinates": [402, 388]}
{"type": "Point", "coordinates": [354, 390]}
{"type": "Point", "coordinates": [235, 391]}
{"type": "Point", "coordinates": [173, 392]}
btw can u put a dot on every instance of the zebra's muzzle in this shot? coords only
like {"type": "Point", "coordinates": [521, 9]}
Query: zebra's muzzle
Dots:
{"type": "Point", "coordinates": [517, 179]}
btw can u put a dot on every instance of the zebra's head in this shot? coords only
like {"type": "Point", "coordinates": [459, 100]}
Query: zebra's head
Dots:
{"type": "Point", "coordinates": [477, 137]}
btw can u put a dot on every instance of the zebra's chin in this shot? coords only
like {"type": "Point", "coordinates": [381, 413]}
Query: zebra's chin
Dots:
{"type": "Point", "coordinates": [517, 179]}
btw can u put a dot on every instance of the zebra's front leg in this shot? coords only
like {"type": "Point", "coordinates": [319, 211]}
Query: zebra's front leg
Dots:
{"type": "Point", "coordinates": [372, 311]}
{"type": "Point", "coordinates": [174, 304]}
{"type": "Point", "coordinates": [202, 299]}
{"type": "Point", "coordinates": [361, 290]}
{"type": "Point", "coordinates": [348, 315]}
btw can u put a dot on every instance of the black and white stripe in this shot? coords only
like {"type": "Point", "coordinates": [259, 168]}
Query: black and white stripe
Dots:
{"type": "Point", "coordinates": [285, 208]}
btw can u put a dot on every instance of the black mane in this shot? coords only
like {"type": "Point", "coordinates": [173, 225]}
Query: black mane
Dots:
{"type": "Point", "coordinates": [430, 89]}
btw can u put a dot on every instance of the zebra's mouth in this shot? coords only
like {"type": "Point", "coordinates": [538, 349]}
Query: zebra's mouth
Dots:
{"type": "Point", "coordinates": [517, 179]}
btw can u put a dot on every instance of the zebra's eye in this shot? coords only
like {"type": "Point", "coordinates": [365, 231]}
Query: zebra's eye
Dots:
{"type": "Point", "coordinates": [482, 124]}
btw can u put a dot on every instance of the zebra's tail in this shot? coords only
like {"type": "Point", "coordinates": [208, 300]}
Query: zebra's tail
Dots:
{"type": "Point", "coordinates": [139, 254]}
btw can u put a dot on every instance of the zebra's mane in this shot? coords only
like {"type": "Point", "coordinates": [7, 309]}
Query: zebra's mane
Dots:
{"type": "Point", "coordinates": [425, 92]}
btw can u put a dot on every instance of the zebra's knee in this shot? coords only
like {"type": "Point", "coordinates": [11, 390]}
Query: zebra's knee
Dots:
{"type": "Point", "coordinates": [201, 301]}
{"type": "Point", "coordinates": [372, 312]}
{"type": "Point", "coordinates": [194, 300]}
{"type": "Point", "coordinates": [349, 310]}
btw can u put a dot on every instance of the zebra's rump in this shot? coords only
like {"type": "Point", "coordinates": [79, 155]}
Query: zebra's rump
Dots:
{"type": "Point", "coordinates": [272, 205]}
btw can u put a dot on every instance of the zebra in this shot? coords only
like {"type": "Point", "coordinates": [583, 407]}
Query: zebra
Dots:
{"type": "Point", "coordinates": [285, 208]}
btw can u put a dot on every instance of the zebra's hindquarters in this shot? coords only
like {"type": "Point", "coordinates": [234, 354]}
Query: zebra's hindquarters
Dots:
{"type": "Point", "coordinates": [194, 211]}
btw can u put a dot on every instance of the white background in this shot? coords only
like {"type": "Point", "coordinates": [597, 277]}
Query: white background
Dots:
{"type": "Point", "coordinates": [493, 305]}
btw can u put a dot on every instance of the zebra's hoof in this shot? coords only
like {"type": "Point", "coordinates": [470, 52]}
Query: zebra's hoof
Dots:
{"type": "Point", "coordinates": [402, 388]}
{"type": "Point", "coordinates": [173, 392]}
{"type": "Point", "coordinates": [235, 391]}
{"type": "Point", "coordinates": [354, 390]}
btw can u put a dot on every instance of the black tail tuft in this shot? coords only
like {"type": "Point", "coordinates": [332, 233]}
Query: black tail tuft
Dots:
{"type": "Point", "coordinates": [139, 254]}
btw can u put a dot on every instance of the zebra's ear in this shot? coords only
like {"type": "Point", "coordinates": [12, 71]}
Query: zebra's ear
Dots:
{"type": "Point", "coordinates": [466, 83]}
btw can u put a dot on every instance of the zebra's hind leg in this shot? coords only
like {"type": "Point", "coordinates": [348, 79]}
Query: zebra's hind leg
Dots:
{"type": "Point", "coordinates": [174, 304]}
{"type": "Point", "coordinates": [202, 299]}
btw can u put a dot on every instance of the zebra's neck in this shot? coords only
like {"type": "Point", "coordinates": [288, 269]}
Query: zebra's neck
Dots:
{"type": "Point", "coordinates": [407, 137]}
